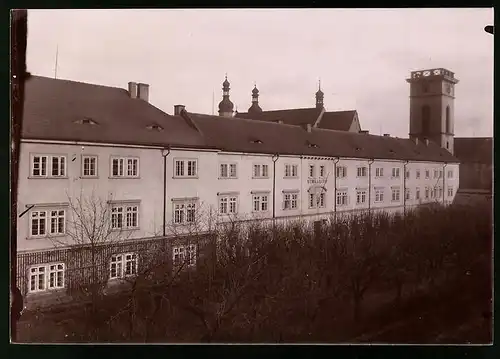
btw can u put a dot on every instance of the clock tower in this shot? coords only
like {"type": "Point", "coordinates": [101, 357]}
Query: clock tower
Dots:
{"type": "Point", "coordinates": [432, 95]}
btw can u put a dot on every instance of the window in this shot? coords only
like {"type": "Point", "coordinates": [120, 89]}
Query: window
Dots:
{"type": "Point", "coordinates": [448, 127]}
{"type": "Point", "coordinates": [125, 216]}
{"type": "Point", "coordinates": [395, 172]}
{"type": "Point", "coordinates": [317, 200]}
{"type": "Point", "coordinates": [260, 171]}
{"type": "Point", "coordinates": [89, 166]}
{"type": "Point", "coordinates": [436, 173]}
{"type": "Point", "coordinates": [432, 192]}
{"type": "Point", "coordinates": [123, 265]}
{"type": "Point", "coordinates": [395, 194]}
{"type": "Point", "coordinates": [227, 170]}
{"type": "Point", "coordinates": [291, 170]}
{"type": "Point", "coordinates": [426, 119]}
{"type": "Point", "coordinates": [427, 174]}
{"type": "Point", "coordinates": [426, 192]}
{"type": "Point", "coordinates": [260, 202]}
{"type": "Point", "coordinates": [407, 194]}
{"type": "Point", "coordinates": [290, 201]}
{"type": "Point", "coordinates": [361, 172]}
{"type": "Point", "coordinates": [379, 172]}
{"type": "Point", "coordinates": [407, 174]}
{"type": "Point", "coordinates": [46, 277]}
{"type": "Point", "coordinates": [48, 166]}
{"type": "Point", "coordinates": [228, 204]}
{"type": "Point", "coordinates": [439, 192]}
{"type": "Point", "coordinates": [322, 171]}
{"type": "Point", "coordinates": [184, 212]}
{"type": "Point", "coordinates": [450, 173]}
{"type": "Point", "coordinates": [417, 174]}
{"type": "Point", "coordinates": [341, 171]}
{"type": "Point", "coordinates": [127, 167]}
{"type": "Point", "coordinates": [342, 199]}
{"type": "Point", "coordinates": [312, 171]}
{"type": "Point", "coordinates": [417, 193]}
{"type": "Point", "coordinates": [185, 168]}
{"type": "Point", "coordinates": [450, 191]}
{"type": "Point", "coordinates": [55, 220]}
{"type": "Point", "coordinates": [379, 195]}
{"type": "Point", "coordinates": [360, 196]}
{"type": "Point", "coordinates": [184, 255]}
{"type": "Point", "coordinates": [440, 174]}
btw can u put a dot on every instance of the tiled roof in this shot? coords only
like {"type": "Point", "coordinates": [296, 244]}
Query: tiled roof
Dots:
{"type": "Point", "coordinates": [297, 116]}
{"type": "Point", "coordinates": [244, 135]}
{"type": "Point", "coordinates": [474, 149]}
{"type": "Point", "coordinates": [337, 120]}
{"type": "Point", "coordinates": [53, 108]}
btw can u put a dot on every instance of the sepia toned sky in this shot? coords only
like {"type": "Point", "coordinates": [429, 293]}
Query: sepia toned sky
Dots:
{"type": "Point", "coordinates": [362, 57]}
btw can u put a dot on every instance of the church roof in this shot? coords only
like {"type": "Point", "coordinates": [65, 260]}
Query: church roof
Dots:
{"type": "Point", "coordinates": [54, 110]}
{"type": "Point", "coordinates": [297, 116]}
{"type": "Point", "coordinates": [337, 120]}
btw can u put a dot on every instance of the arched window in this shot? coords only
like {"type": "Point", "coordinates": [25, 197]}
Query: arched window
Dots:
{"type": "Point", "coordinates": [448, 128]}
{"type": "Point", "coordinates": [426, 120]}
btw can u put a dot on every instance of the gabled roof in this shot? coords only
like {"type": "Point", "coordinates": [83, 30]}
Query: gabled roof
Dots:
{"type": "Point", "coordinates": [297, 116]}
{"type": "Point", "coordinates": [474, 149]}
{"type": "Point", "coordinates": [56, 109]}
{"type": "Point", "coordinates": [241, 135]}
{"type": "Point", "coordinates": [337, 120]}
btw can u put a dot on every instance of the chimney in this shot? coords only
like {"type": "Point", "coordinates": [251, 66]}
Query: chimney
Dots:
{"type": "Point", "coordinates": [416, 140]}
{"type": "Point", "coordinates": [364, 132]}
{"type": "Point", "coordinates": [143, 91]}
{"type": "Point", "coordinates": [426, 140]}
{"type": "Point", "coordinates": [132, 89]}
{"type": "Point", "coordinates": [178, 109]}
{"type": "Point", "coordinates": [309, 127]}
{"type": "Point", "coordinates": [387, 135]}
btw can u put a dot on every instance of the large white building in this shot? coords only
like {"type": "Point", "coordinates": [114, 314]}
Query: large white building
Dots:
{"type": "Point", "coordinates": [160, 173]}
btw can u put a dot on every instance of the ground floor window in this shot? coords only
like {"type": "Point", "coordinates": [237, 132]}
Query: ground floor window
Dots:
{"type": "Point", "coordinates": [184, 255]}
{"type": "Point", "coordinates": [123, 265]}
{"type": "Point", "coordinates": [45, 277]}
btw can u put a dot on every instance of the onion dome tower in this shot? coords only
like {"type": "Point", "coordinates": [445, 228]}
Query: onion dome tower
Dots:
{"type": "Point", "coordinates": [255, 108]}
{"type": "Point", "coordinates": [319, 97]}
{"type": "Point", "coordinates": [225, 106]}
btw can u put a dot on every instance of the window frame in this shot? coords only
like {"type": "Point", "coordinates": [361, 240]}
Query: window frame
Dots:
{"type": "Point", "coordinates": [343, 194]}
{"type": "Point", "coordinates": [96, 168]}
{"type": "Point", "coordinates": [292, 169]}
{"type": "Point", "coordinates": [396, 172]}
{"type": "Point", "coordinates": [47, 220]}
{"type": "Point", "coordinates": [360, 194]}
{"type": "Point", "coordinates": [379, 172]}
{"type": "Point", "coordinates": [341, 172]}
{"type": "Point", "coordinates": [49, 165]}
{"type": "Point", "coordinates": [186, 163]}
{"type": "Point", "coordinates": [379, 195]}
{"type": "Point", "coordinates": [188, 205]}
{"type": "Point", "coordinates": [395, 190]}
{"type": "Point", "coordinates": [122, 264]}
{"type": "Point", "coordinates": [228, 197]}
{"type": "Point", "coordinates": [257, 197]}
{"type": "Point", "coordinates": [181, 250]}
{"type": "Point", "coordinates": [122, 210]}
{"type": "Point", "coordinates": [47, 272]}
{"type": "Point", "coordinates": [291, 200]}
{"type": "Point", "coordinates": [363, 170]}
{"type": "Point", "coordinates": [123, 164]}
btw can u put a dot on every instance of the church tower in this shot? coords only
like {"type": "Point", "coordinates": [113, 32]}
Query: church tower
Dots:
{"type": "Point", "coordinates": [255, 108]}
{"type": "Point", "coordinates": [225, 106]}
{"type": "Point", "coordinates": [319, 97]}
{"type": "Point", "coordinates": [432, 95]}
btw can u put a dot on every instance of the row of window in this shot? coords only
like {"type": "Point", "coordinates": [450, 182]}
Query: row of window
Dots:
{"type": "Point", "coordinates": [126, 216]}
{"type": "Point", "coordinates": [46, 277]}
{"type": "Point", "coordinates": [55, 166]}
{"type": "Point", "coordinates": [53, 222]}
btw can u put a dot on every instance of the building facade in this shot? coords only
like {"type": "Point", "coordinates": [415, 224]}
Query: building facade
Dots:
{"type": "Point", "coordinates": [95, 156]}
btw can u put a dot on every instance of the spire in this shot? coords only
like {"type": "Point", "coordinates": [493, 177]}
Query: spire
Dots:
{"type": "Point", "coordinates": [226, 106]}
{"type": "Point", "coordinates": [319, 96]}
{"type": "Point", "coordinates": [255, 108]}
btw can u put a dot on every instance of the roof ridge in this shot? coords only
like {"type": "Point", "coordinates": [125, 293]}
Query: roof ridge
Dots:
{"type": "Point", "coordinates": [75, 82]}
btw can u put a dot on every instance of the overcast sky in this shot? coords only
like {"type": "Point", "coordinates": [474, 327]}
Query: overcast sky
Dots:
{"type": "Point", "coordinates": [362, 57]}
